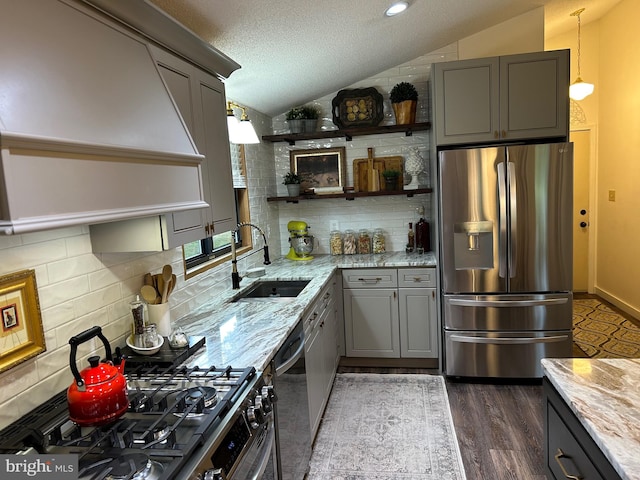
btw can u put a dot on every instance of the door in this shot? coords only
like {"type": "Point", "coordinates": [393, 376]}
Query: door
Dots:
{"type": "Point", "coordinates": [372, 325]}
{"type": "Point", "coordinates": [466, 101]}
{"type": "Point", "coordinates": [581, 214]}
{"type": "Point", "coordinates": [540, 210]}
{"type": "Point", "coordinates": [471, 232]}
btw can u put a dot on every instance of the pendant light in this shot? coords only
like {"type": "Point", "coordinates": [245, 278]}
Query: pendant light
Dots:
{"type": "Point", "coordinates": [240, 131]}
{"type": "Point", "coordinates": [579, 89]}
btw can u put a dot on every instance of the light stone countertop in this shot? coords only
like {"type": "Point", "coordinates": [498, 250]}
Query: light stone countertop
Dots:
{"type": "Point", "coordinates": [604, 394]}
{"type": "Point", "coordinates": [247, 334]}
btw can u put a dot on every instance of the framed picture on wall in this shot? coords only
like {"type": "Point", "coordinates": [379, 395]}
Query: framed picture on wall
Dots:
{"type": "Point", "coordinates": [322, 170]}
{"type": "Point", "coordinates": [21, 335]}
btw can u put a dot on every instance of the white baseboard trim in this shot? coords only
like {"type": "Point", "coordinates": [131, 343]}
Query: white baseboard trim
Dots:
{"type": "Point", "coordinates": [625, 307]}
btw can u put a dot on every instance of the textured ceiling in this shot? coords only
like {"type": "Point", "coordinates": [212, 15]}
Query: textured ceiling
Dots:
{"type": "Point", "coordinates": [292, 51]}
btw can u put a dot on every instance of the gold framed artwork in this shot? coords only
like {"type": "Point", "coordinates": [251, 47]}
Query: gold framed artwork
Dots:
{"type": "Point", "coordinates": [21, 335]}
{"type": "Point", "coordinates": [322, 170]}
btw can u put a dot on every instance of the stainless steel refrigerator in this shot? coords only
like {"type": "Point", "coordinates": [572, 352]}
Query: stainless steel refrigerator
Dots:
{"type": "Point", "coordinates": [506, 258]}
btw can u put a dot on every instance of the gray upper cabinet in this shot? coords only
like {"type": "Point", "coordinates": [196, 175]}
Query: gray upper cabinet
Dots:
{"type": "Point", "coordinates": [507, 98]}
{"type": "Point", "coordinates": [200, 98]}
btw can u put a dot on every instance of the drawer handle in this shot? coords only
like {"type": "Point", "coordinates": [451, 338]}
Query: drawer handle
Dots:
{"type": "Point", "coordinates": [370, 280]}
{"type": "Point", "coordinates": [560, 455]}
{"type": "Point", "coordinates": [417, 279]}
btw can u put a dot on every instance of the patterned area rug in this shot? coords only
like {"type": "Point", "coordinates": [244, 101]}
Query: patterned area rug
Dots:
{"type": "Point", "coordinates": [603, 333]}
{"type": "Point", "coordinates": [387, 427]}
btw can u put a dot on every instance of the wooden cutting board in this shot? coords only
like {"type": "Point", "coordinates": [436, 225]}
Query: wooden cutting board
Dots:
{"type": "Point", "coordinates": [361, 171]}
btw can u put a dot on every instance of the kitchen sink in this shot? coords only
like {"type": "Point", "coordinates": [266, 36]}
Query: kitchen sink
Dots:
{"type": "Point", "coordinates": [273, 290]}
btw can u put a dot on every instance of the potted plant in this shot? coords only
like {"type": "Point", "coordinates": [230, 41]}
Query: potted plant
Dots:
{"type": "Point", "coordinates": [295, 119]}
{"type": "Point", "coordinates": [391, 179]}
{"type": "Point", "coordinates": [292, 182]}
{"type": "Point", "coordinates": [310, 115]}
{"type": "Point", "coordinates": [404, 99]}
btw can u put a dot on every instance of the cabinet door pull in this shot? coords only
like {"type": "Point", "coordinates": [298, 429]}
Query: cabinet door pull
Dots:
{"type": "Point", "coordinates": [370, 280]}
{"type": "Point", "coordinates": [496, 134]}
{"type": "Point", "coordinates": [560, 455]}
{"type": "Point", "coordinates": [504, 134]}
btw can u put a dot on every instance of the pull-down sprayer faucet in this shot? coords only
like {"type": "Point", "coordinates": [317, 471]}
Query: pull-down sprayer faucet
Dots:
{"type": "Point", "coordinates": [235, 276]}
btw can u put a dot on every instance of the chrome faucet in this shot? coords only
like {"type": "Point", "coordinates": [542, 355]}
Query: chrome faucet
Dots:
{"type": "Point", "coordinates": [235, 276]}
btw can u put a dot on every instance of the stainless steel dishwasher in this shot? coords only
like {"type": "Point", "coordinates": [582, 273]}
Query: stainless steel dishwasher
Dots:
{"type": "Point", "coordinates": [293, 437]}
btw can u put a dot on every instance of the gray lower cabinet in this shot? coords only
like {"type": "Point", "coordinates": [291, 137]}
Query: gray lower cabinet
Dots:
{"type": "Point", "coordinates": [569, 450]}
{"type": "Point", "coordinates": [321, 353]}
{"type": "Point", "coordinates": [504, 98]}
{"type": "Point", "coordinates": [390, 313]}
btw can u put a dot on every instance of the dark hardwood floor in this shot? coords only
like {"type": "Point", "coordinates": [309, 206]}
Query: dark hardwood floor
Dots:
{"type": "Point", "coordinates": [499, 426]}
{"type": "Point", "coordinates": [499, 429]}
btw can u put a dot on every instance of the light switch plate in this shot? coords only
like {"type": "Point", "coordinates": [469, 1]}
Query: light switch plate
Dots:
{"type": "Point", "coordinates": [612, 195]}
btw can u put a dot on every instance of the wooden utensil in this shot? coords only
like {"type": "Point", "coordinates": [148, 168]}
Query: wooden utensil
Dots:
{"type": "Point", "coordinates": [167, 273]}
{"type": "Point", "coordinates": [158, 282]}
{"type": "Point", "coordinates": [149, 294]}
{"type": "Point", "coordinates": [373, 179]}
{"type": "Point", "coordinates": [148, 279]}
{"type": "Point", "coordinates": [172, 285]}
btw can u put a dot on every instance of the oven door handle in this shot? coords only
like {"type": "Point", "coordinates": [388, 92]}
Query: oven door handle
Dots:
{"type": "Point", "coordinates": [508, 340]}
{"type": "Point", "coordinates": [458, 302]}
{"type": "Point", "coordinates": [287, 363]}
{"type": "Point", "coordinates": [266, 453]}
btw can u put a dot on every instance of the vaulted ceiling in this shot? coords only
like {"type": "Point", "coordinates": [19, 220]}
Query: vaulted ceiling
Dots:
{"type": "Point", "coordinates": [292, 51]}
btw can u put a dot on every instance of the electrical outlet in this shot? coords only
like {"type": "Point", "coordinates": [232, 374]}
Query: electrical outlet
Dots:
{"type": "Point", "coordinates": [612, 195]}
{"type": "Point", "coordinates": [333, 225]}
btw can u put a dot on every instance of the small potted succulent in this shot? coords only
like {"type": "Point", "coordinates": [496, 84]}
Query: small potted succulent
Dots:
{"type": "Point", "coordinates": [404, 99]}
{"type": "Point", "coordinates": [292, 181]}
{"type": "Point", "coordinates": [391, 179]}
{"type": "Point", "coordinates": [295, 119]}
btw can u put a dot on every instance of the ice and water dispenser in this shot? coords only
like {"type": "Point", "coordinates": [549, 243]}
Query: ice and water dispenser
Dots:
{"type": "Point", "coordinates": [473, 245]}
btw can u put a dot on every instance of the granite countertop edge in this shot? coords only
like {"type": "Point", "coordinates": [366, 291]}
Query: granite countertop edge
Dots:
{"type": "Point", "coordinates": [246, 334]}
{"type": "Point", "coordinates": [604, 395]}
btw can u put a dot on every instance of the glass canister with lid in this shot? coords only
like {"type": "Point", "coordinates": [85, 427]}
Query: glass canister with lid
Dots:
{"type": "Point", "coordinates": [364, 242]}
{"type": "Point", "coordinates": [349, 242]}
{"type": "Point", "coordinates": [335, 242]}
{"type": "Point", "coordinates": [378, 241]}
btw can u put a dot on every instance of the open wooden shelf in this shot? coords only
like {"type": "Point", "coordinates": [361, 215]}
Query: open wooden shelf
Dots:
{"type": "Point", "coordinates": [348, 133]}
{"type": "Point", "coordinates": [350, 195]}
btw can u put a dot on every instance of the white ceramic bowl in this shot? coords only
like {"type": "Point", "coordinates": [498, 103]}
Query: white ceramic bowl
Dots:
{"type": "Point", "coordinates": [148, 350]}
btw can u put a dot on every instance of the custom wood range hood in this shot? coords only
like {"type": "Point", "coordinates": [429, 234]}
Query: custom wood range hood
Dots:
{"type": "Point", "coordinates": [88, 131]}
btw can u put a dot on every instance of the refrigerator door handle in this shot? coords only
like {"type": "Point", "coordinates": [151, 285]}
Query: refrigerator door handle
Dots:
{"type": "Point", "coordinates": [502, 222]}
{"type": "Point", "coordinates": [513, 215]}
{"type": "Point", "coordinates": [509, 340]}
{"type": "Point", "coordinates": [459, 302]}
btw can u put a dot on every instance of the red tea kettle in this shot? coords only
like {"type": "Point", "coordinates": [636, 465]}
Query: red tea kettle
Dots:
{"type": "Point", "coordinates": [99, 394]}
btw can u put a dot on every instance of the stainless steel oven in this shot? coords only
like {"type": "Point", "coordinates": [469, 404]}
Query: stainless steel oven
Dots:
{"type": "Point", "coordinates": [183, 423]}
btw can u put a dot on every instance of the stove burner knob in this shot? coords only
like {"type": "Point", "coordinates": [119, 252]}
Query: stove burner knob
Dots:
{"type": "Point", "coordinates": [263, 404]}
{"type": "Point", "coordinates": [269, 392]}
{"type": "Point", "coordinates": [255, 417]}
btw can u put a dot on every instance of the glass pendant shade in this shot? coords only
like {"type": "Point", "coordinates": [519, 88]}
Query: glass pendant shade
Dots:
{"type": "Point", "coordinates": [245, 133]}
{"type": "Point", "coordinates": [580, 89]}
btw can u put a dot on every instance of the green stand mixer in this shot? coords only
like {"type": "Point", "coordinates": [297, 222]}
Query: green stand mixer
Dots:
{"type": "Point", "coordinates": [300, 240]}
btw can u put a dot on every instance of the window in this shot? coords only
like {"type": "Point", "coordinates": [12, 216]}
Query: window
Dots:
{"type": "Point", "coordinates": [212, 251]}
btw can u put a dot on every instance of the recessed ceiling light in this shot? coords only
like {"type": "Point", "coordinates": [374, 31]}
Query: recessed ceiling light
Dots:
{"type": "Point", "coordinates": [396, 8]}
